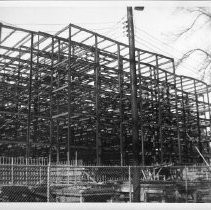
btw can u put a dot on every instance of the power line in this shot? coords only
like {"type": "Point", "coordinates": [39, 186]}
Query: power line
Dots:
{"type": "Point", "coordinates": [155, 44]}
{"type": "Point", "coordinates": [165, 51]}
{"type": "Point", "coordinates": [115, 25]}
{"type": "Point", "coordinates": [142, 43]}
{"type": "Point", "coordinates": [163, 43]}
{"type": "Point", "coordinates": [155, 38]}
{"type": "Point", "coordinates": [153, 47]}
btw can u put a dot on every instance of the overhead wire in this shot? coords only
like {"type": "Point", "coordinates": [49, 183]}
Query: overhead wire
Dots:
{"type": "Point", "coordinates": [163, 43]}
{"type": "Point", "coordinates": [148, 46]}
{"type": "Point", "coordinates": [115, 26]}
{"type": "Point", "coordinates": [160, 49]}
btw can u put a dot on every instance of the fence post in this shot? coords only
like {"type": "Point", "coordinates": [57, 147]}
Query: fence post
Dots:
{"type": "Point", "coordinates": [207, 175]}
{"type": "Point", "coordinates": [40, 175]}
{"type": "Point", "coordinates": [186, 183]}
{"type": "Point", "coordinates": [48, 182]}
{"type": "Point", "coordinates": [68, 173]}
{"type": "Point", "coordinates": [26, 171]}
{"type": "Point", "coordinates": [130, 193]}
{"type": "Point", "coordinates": [12, 172]}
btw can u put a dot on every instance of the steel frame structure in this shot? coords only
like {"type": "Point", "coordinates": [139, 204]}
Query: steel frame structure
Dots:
{"type": "Point", "coordinates": [69, 94]}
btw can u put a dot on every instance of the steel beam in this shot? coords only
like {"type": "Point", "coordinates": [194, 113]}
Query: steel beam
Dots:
{"type": "Point", "coordinates": [29, 99]}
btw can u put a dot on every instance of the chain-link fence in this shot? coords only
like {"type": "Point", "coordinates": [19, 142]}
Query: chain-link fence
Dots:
{"type": "Point", "coordinates": [68, 183]}
{"type": "Point", "coordinates": [21, 183]}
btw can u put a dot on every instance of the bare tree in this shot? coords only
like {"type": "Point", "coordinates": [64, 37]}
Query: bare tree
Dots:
{"type": "Point", "coordinates": [201, 19]}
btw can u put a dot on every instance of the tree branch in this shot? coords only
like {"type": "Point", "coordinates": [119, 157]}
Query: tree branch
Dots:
{"type": "Point", "coordinates": [190, 52]}
{"type": "Point", "coordinates": [188, 28]}
{"type": "Point", "coordinates": [202, 16]}
{"type": "Point", "coordinates": [202, 13]}
{"type": "Point", "coordinates": [201, 10]}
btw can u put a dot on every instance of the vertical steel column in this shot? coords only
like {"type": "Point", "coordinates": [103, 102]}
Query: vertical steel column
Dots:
{"type": "Point", "coordinates": [133, 80]}
{"type": "Point", "coordinates": [57, 105]}
{"type": "Point", "coordinates": [154, 109]}
{"type": "Point", "coordinates": [208, 101]}
{"type": "Point", "coordinates": [177, 119]}
{"type": "Point", "coordinates": [0, 31]}
{"type": "Point", "coordinates": [198, 118]}
{"type": "Point", "coordinates": [51, 102]}
{"type": "Point", "coordinates": [121, 108]}
{"type": "Point", "coordinates": [184, 122]}
{"type": "Point", "coordinates": [59, 50]}
{"type": "Point", "coordinates": [206, 132]}
{"type": "Point", "coordinates": [168, 107]}
{"type": "Point", "coordinates": [36, 98]}
{"type": "Point", "coordinates": [17, 95]}
{"type": "Point", "coordinates": [189, 124]}
{"type": "Point", "coordinates": [141, 111]}
{"type": "Point", "coordinates": [29, 99]}
{"type": "Point", "coordinates": [156, 100]}
{"type": "Point", "coordinates": [97, 105]}
{"type": "Point", "coordinates": [57, 124]}
{"type": "Point", "coordinates": [204, 114]}
{"type": "Point", "coordinates": [69, 135]}
{"type": "Point", "coordinates": [159, 111]}
{"type": "Point", "coordinates": [168, 94]}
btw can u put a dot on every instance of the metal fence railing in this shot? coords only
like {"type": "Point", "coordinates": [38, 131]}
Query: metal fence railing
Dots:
{"type": "Point", "coordinates": [71, 183]}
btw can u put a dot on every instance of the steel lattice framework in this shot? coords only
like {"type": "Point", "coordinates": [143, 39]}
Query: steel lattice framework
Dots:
{"type": "Point", "coordinates": [69, 93]}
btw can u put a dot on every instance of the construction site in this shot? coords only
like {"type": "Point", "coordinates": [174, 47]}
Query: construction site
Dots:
{"type": "Point", "coordinates": [66, 98]}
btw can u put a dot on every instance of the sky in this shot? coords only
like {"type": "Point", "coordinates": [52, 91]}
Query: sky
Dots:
{"type": "Point", "coordinates": [154, 27]}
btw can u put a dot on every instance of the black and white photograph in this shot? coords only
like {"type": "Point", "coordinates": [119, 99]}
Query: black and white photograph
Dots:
{"type": "Point", "coordinates": [105, 102]}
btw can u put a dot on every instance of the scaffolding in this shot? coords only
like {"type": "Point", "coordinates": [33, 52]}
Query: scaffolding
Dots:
{"type": "Point", "coordinates": [69, 95]}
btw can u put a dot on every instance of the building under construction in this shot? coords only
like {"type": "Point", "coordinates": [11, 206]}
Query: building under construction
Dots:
{"type": "Point", "coordinates": [69, 94]}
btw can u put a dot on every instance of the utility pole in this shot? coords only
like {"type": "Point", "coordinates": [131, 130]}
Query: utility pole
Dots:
{"type": "Point", "coordinates": [134, 109]}
{"type": "Point", "coordinates": [0, 31]}
{"type": "Point", "coordinates": [133, 81]}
